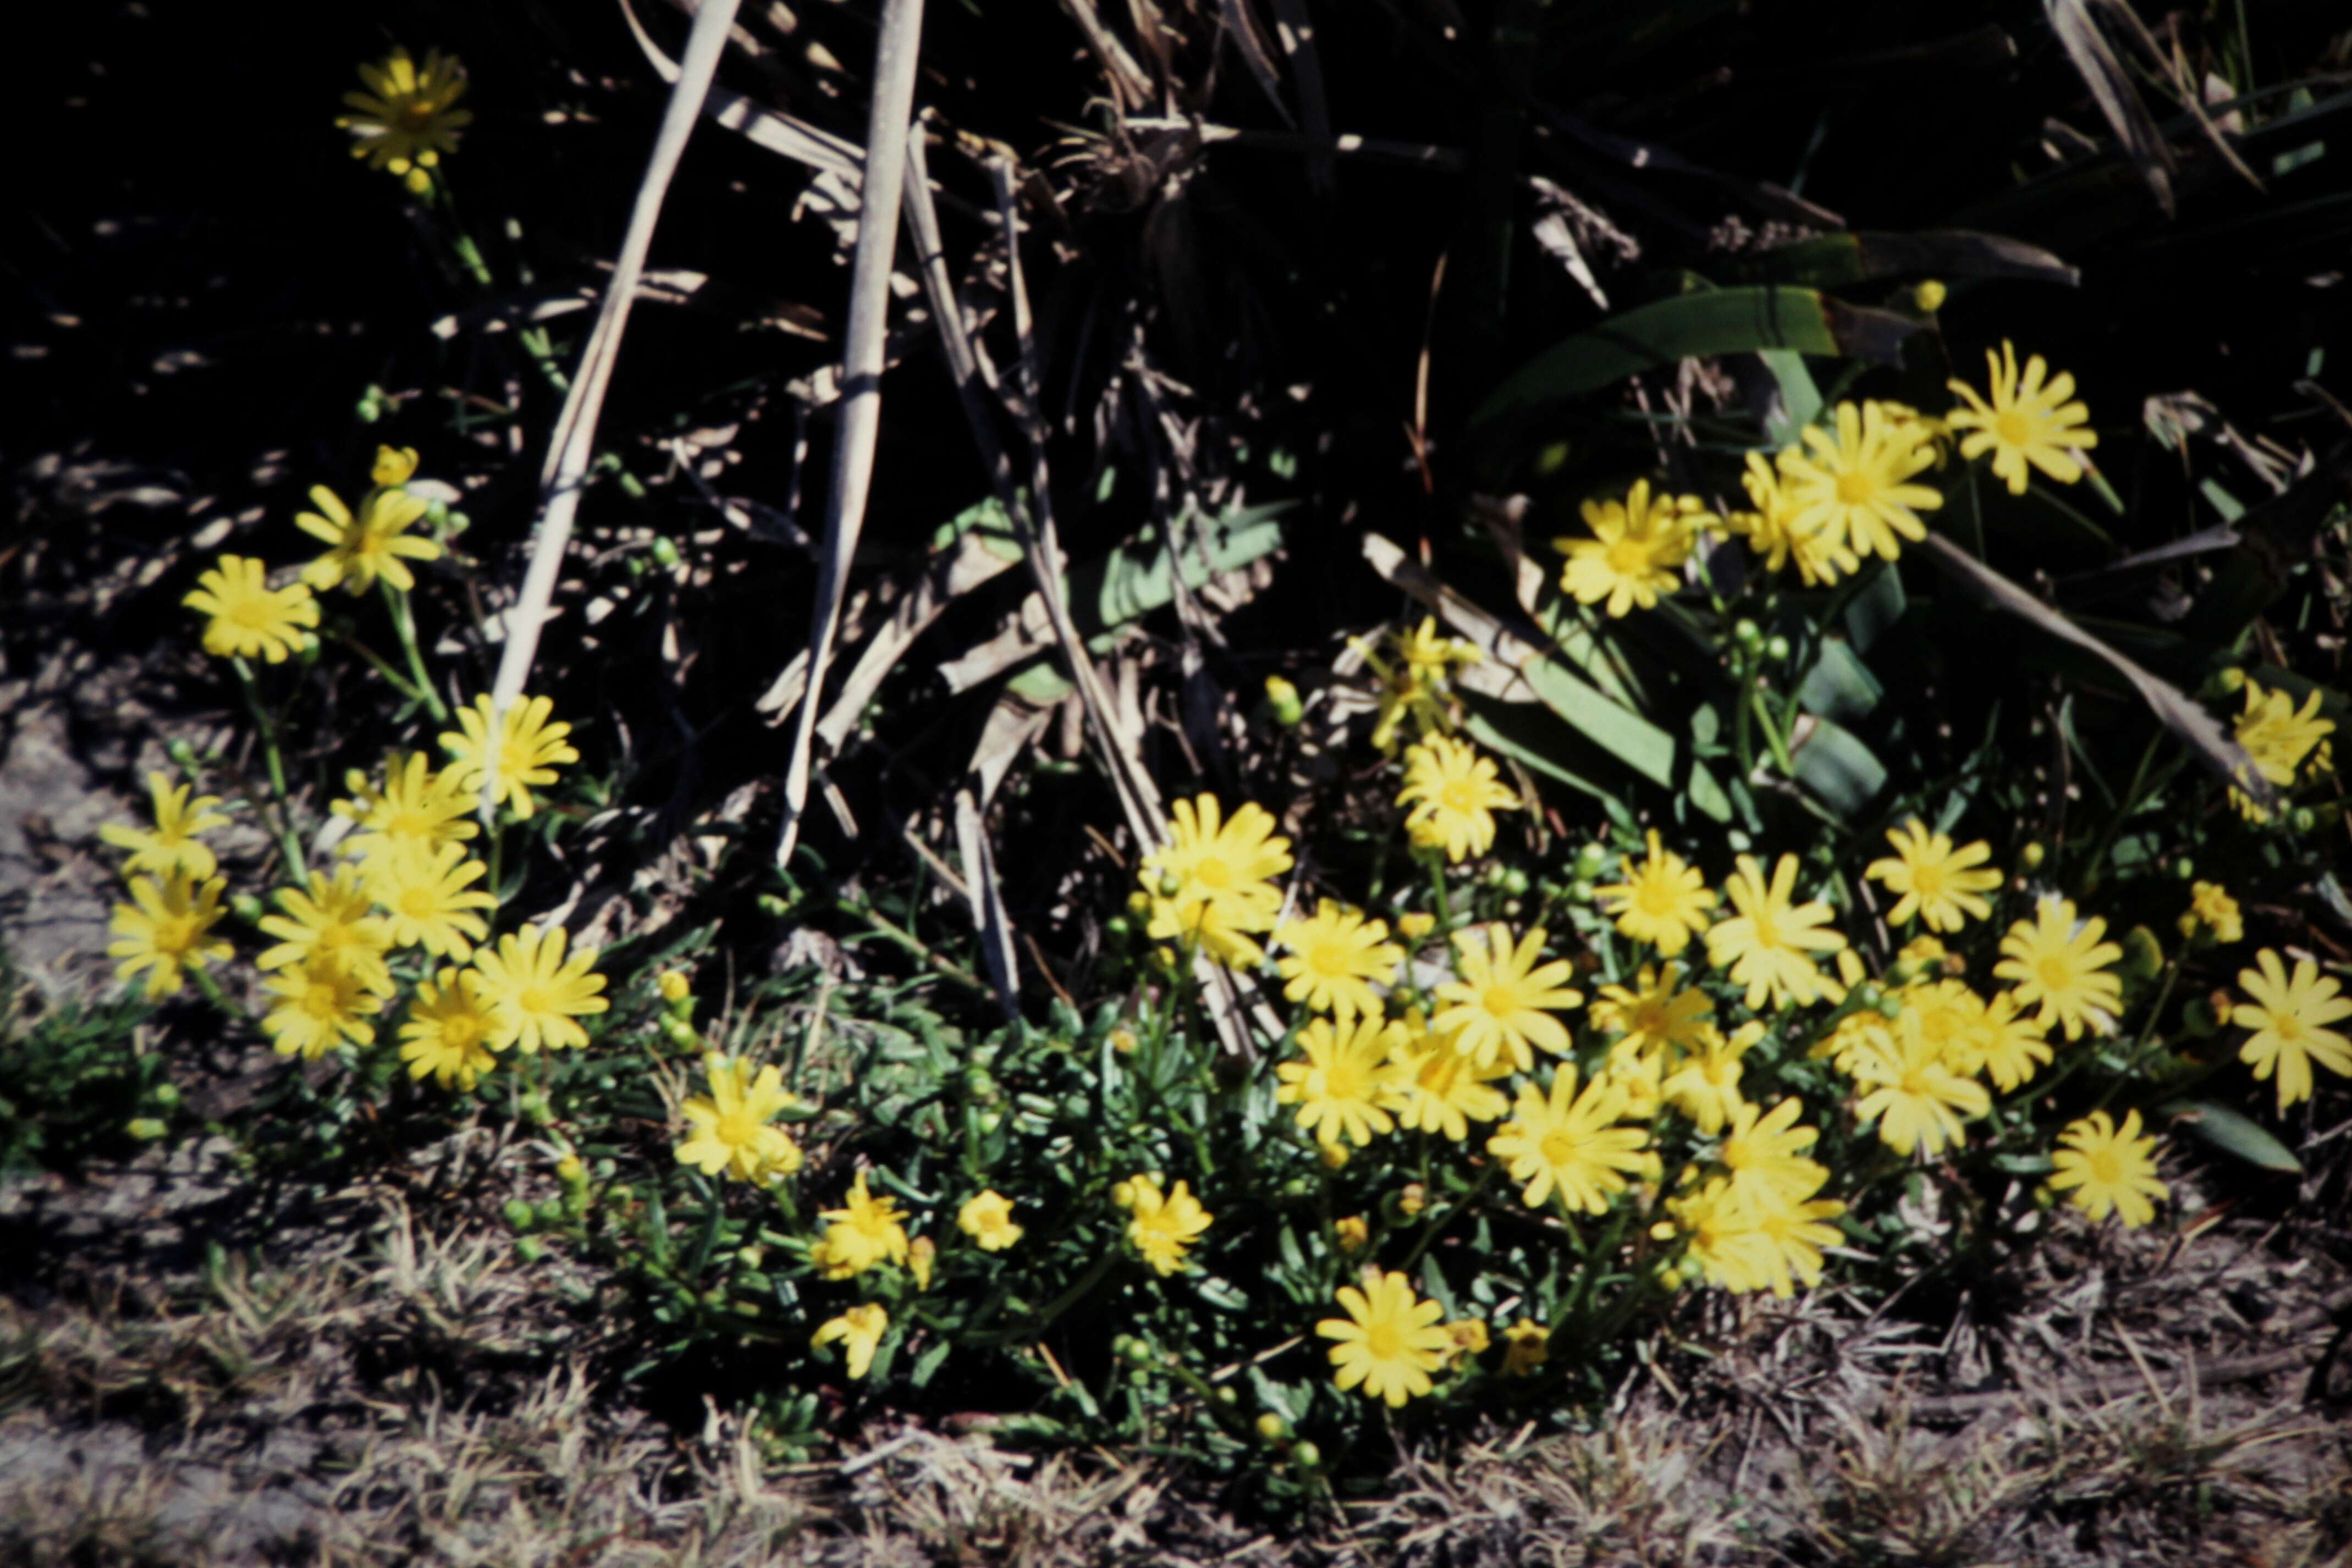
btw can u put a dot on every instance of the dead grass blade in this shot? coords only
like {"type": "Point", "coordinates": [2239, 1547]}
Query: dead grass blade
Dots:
{"type": "Point", "coordinates": [573, 447]}
{"type": "Point", "coordinates": [2175, 709]}
{"type": "Point", "coordinates": [860, 417]}
{"type": "Point", "coordinates": [777, 131]}
{"type": "Point", "coordinates": [988, 921]}
{"type": "Point", "coordinates": [1296, 29]}
{"type": "Point", "coordinates": [2111, 88]}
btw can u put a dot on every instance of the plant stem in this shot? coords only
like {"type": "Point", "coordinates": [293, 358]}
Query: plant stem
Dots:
{"type": "Point", "coordinates": [945, 965]}
{"type": "Point", "coordinates": [404, 626]}
{"type": "Point", "coordinates": [1772, 734]}
{"type": "Point", "coordinates": [287, 845]}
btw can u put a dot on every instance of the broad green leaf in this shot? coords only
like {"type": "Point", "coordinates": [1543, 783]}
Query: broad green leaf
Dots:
{"type": "Point", "coordinates": [1696, 326]}
{"type": "Point", "coordinates": [1138, 577]}
{"type": "Point", "coordinates": [2234, 1134]}
{"type": "Point", "coordinates": [1801, 396]}
{"type": "Point", "coordinates": [1840, 686]}
{"type": "Point", "coordinates": [1837, 768]}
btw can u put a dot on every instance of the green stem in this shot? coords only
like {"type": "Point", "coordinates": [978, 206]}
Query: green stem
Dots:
{"type": "Point", "coordinates": [2147, 1031]}
{"type": "Point", "coordinates": [1779, 742]}
{"type": "Point", "coordinates": [397, 680]}
{"type": "Point", "coordinates": [287, 845]}
{"type": "Point", "coordinates": [1436, 864]}
{"type": "Point", "coordinates": [1453, 1211]}
{"type": "Point", "coordinates": [912, 944]}
{"type": "Point", "coordinates": [404, 626]}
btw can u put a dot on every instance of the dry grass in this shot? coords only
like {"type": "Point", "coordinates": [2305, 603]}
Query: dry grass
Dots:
{"type": "Point", "coordinates": [389, 1385]}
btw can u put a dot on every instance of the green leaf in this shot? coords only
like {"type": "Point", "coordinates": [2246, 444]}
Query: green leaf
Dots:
{"type": "Point", "coordinates": [1801, 397]}
{"type": "Point", "coordinates": [929, 1362]}
{"type": "Point", "coordinates": [1698, 325]}
{"type": "Point", "coordinates": [1837, 768]}
{"type": "Point", "coordinates": [2234, 1134]}
{"type": "Point", "coordinates": [1840, 687]}
{"type": "Point", "coordinates": [1834, 260]}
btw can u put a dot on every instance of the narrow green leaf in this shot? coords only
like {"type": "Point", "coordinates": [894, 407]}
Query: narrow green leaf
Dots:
{"type": "Point", "coordinates": [2234, 1134]}
{"type": "Point", "coordinates": [1837, 768]}
{"type": "Point", "coordinates": [1834, 260]}
{"type": "Point", "coordinates": [1801, 396]}
{"type": "Point", "coordinates": [1698, 325]}
{"type": "Point", "coordinates": [1840, 686]}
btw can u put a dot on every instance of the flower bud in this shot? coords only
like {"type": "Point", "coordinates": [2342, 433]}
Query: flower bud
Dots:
{"type": "Point", "coordinates": [148, 1129]}
{"type": "Point", "coordinates": [570, 1171]}
{"type": "Point", "coordinates": [519, 1215]}
{"type": "Point", "coordinates": [1122, 1194]}
{"type": "Point", "coordinates": [247, 908]}
{"type": "Point", "coordinates": [665, 552]}
{"type": "Point", "coordinates": [1351, 1232]}
{"type": "Point", "coordinates": [181, 753]}
{"type": "Point", "coordinates": [2231, 680]}
{"type": "Point", "coordinates": [1272, 1428]}
{"type": "Point", "coordinates": [1283, 699]}
{"type": "Point", "coordinates": [1414, 925]}
{"type": "Point", "coordinates": [1334, 1155]}
{"type": "Point", "coordinates": [2031, 856]}
{"type": "Point", "coordinates": [1928, 294]}
{"type": "Point", "coordinates": [164, 1095]}
{"type": "Point", "coordinates": [529, 1248]}
{"type": "Point", "coordinates": [1776, 650]}
{"type": "Point", "coordinates": [1591, 859]}
{"type": "Point", "coordinates": [1747, 634]}
{"type": "Point", "coordinates": [1306, 1455]}
{"type": "Point", "coordinates": [674, 985]}
{"type": "Point", "coordinates": [1412, 1199]}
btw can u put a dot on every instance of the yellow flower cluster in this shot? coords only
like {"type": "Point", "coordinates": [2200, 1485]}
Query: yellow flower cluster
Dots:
{"type": "Point", "coordinates": [408, 117]}
{"type": "Point", "coordinates": [2280, 738]}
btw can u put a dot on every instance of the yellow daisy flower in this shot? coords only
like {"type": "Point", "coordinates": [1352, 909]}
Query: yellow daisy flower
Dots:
{"type": "Point", "coordinates": [1949, 1016]}
{"type": "Point", "coordinates": [987, 1219]}
{"type": "Point", "coordinates": [1934, 881]}
{"type": "Point", "coordinates": [1527, 1345]}
{"type": "Point", "coordinates": [1722, 1234]}
{"type": "Point", "coordinates": [1334, 960]}
{"type": "Point", "coordinates": [2064, 970]}
{"type": "Point", "coordinates": [2289, 1016]}
{"type": "Point", "coordinates": [1453, 793]}
{"type": "Point", "coordinates": [2108, 1169]}
{"type": "Point", "coordinates": [1916, 1099]}
{"type": "Point", "coordinates": [1412, 681]}
{"type": "Point", "coordinates": [407, 118]}
{"type": "Point", "coordinates": [2003, 1042]}
{"type": "Point", "coordinates": [1797, 1231]}
{"type": "Point", "coordinates": [1501, 1005]}
{"type": "Point", "coordinates": [1765, 1153]}
{"type": "Point", "coordinates": [1469, 1338]}
{"type": "Point", "coordinates": [865, 1231]}
{"type": "Point", "coordinates": [1436, 1089]}
{"type": "Point", "coordinates": [363, 547]}
{"type": "Point", "coordinates": [859, 1331]}
{"type": "Point", "coordinates": [531, 749]}
{"type": "Point", "coordinates": [1769, 944]}
{"type": "Point", "coordinates": [1569, 1142]}
{"type": "Point", "coordinates": [165, 930]}
{"type": "Point", "coordinates": [1636, 552]}
{"type": "Point", "coordinates": [1663, 901]}
{"type": "Point", "coordinates": [1389, 1342]}
{"type": "Point", "coordinates": [536, 995]}
{"type": "Point", "coordinates": [1214, 882]}
{"type": "Point", "coordinates": [331, 923]}
{"type": "Point", "coordinates": [430, 906]}
{"type": "Point", "coordinates": [2213, 912]}
{"type": "Point", "coordinates": [1657, 1012]}
{"type": "Point", "coordinates": [1705, 1087]}
{"type": "Point", "coordinates": [315, 1005]}
{"type": "Point", "coordinates": [172, 843]}
{"type": "Point", "coordinates": [415, 813]}
{"type": "Point", "coordinates": [248, 616]}
{"type": "Point", "coordinates": [2277, 737]}
{"type": "Point", "coordinates": [2026, 421]}
{"type": "Point", "coordinates": [1164, 1224]}
{"type": "Point", "coordinates": [447, 1032]}
{"type": "Point", "coordinates": [1339, 1087]}
{"type": "Point", "coordinates": [1854, 483]}
{"type": "Point", "coordinates": [728, 1129]}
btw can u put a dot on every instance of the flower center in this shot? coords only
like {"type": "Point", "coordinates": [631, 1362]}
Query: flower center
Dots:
{"type": "Point", "coordinates": [1383, 1342]}
{"type": "Point", "coordinates": [1214, 873]}
{"type": "Point", "coordinates": [1653, 897]}
{"type": "Point", "coordinates": [2287, 1026]}
{"type": "Point", "coordinates": [534, 1001]}
{"type": "Point", "coordinates": [1856, 488]}
{"type": "Point", "coordinates": [1558, 1149]}
{"type": "Point", "coordinates": [2106, 1168]}
{"type": "Point", "coordinates": [1629, 557]}
{"type": "Point", "coordinates": [2055, 973]}
{"type": "Point", "coordinates": [417, 903]}
{"type": "Point", "coordinates": [737, 1129]}
{"type": "Point", "coordinates": [2012, 427]}
{"type": "Point", "coordinates": [253, 614]}
{"type": "Point", "coordinates": [460, 1033]}
{"type": "Point", "coordinates": [1329, 960]}
{"type": "Point", "coordinates": [1928, 880]}
{"type": "Point", "coordinates": [1500, 1000]}
{"type": "Point", "coordinates": [1459, 795]}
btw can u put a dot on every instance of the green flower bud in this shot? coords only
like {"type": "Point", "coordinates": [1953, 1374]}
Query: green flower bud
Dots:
{"type": "Point", "coordinates": [665, 552]}
{"type": "Point", "coordinates": [2185, 869]}
{"type": "Point", "coordinates": [1868, 995]}
{"type": "Point", "coordinates": [247, 908]}
{"type": "Point", "coordinates": [1776, 650]}
{"type": "Point", "coordinates": [181, 753]}
{"type": "Point", "coordinates": [1747, 634]}
{"type": "Point", "coordinates": [455, 523]}
{"type": "Point", "coordinates": [164, 1095]}
{"type": "Point", "coordinates": [1890, 1008]}
{"type": "Point", "coordinates": [530, 1250]}
{"type": "Point", "coordinates": [1272, 1428]}
{"type": "Point", "coordinates": [1306, 1455]}
{"type": "Point", "coordinates": [1282, 698]}
{"type": "Point", "coordinates": [773, 906]}
{"type": "Point", "coordinates": [1580, 891]}
{"type": "Point", "coordinates": [551, 1211]}
{"type": "Point", "coordinates": [1591, 859]}
{"type": "Point", "coordinates": [519, 1215]}
{"type": "Point", "coordinates": [147, 1129]}
{"type": "Point", "coordinates": [1514, 882]}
